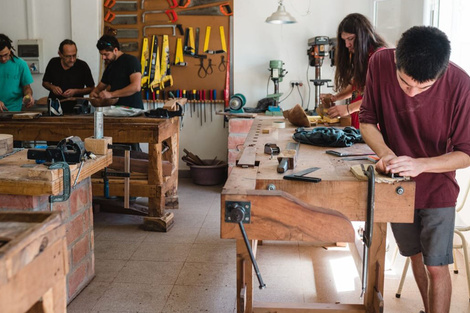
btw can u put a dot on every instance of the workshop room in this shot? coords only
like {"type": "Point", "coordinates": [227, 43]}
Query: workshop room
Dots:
{"type": "Point", "coordinates": [183, 156]}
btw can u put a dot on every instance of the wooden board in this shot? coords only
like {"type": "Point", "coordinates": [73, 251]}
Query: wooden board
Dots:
{"type": "Point", "coordinates": [6, 144]}
{"type": "Point", "coordinates": [33, 264]}
{"type": "Point", "coordinates": [26, 115]}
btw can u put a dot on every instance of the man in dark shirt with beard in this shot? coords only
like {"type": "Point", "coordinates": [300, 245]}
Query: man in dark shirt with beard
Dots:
{"type": "Point", "coordinates": [122, 76]}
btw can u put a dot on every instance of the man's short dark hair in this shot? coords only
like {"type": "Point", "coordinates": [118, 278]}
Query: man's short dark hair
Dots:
{"type": "Point", "coordinates": [423, 53]}
{"type": "Point", "coordinates": [108, 43]}
{"type": "Point", "coordinates": [66, 42]}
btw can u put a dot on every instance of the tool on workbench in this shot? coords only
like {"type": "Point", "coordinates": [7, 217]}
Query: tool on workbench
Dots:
{"type": "Point", "coordinates": [236, 103]}
{"type": "Point", "coordinates": [240, 213]}
{"type": "Point", "coordinates": [271, 149]}
{"type": "Point", "coordinates": [287, 160]}
{"type": "Point", "coordinates": [179, 59]}
{"type": "Point", "coordinates": [65, 183]}
{"type": "Point", "coordinates": [348, 154]}
{"type": "Point", "coordinates": [70, 150]}
{"type": "Point", "coordinates": [277, 74]}
{"type": "Point", "coordinates": [368, 230]}
{"type": "Point", "coordinates": [301, 176]}
{"type": "Point", "coordinates": [316, 54]}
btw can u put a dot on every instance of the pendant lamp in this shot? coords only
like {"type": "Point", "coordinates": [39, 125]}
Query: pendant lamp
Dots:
{"type": "Point", "coordinates": [281, 16]}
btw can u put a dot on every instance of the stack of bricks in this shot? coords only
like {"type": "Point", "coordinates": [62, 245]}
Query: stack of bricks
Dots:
{"type": "Point", "coordinates": [238, 129]}
{"type": "Point", "coordinates": [77, 216]}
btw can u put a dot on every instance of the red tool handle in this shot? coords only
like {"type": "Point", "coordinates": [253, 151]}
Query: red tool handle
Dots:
{"type": "Point", "coordinates": [109, 17]}
{"type": "Point", "coordinates": [173, 3]}
{"type": "Point", "coordinates": [171, 15]}
{"type": "Point", "coordinates": [184, 5]}
{"type": "Point", "coordinates": [109, 3]}
{"type": "Point", "coordinates": [225, 9]}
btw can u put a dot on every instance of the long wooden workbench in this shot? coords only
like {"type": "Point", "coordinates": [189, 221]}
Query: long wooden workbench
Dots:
{"type": "Point", "coordinates": [286, 210]}
{"type": "Point", "coordinates": [122, 129]}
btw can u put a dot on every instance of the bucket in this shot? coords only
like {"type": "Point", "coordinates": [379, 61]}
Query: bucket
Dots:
{"type": "Point", "coordinates": [208, 175]}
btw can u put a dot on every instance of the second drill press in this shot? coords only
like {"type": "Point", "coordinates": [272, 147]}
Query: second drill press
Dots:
{"type": "Point", "coordinates": [316, 54]}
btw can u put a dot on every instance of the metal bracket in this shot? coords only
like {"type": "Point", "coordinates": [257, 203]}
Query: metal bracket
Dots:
{"type": "Point", "coordinates": [236, 211]}
{"type": "Point", "coordinates": [66, 182]}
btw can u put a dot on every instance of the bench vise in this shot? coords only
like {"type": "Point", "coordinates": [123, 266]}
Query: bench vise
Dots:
{"type": "Point", "coordinates": [70, 150]}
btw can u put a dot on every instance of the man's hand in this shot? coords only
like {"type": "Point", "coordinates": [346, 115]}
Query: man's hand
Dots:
{"type": "Point", "coordinates": [105, 94]}
{"type": "Point", "coordinates": [28, 101]}
{"type": "Point", "coordinates": [56, 90]}
{"type": "Point", "coordinates": [3, 107]}
{"type": "Point", "coordinates": [69, 93]}
{"type": "Point", "coordinates": [405, 166]}
{"type": "Point", "coordinates": [338, 111]}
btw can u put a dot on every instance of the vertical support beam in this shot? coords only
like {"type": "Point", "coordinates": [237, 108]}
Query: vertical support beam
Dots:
{"type": "Point", "coordinates": [244, 279]}
{"type": "Point", "coordinates": [375, 282]}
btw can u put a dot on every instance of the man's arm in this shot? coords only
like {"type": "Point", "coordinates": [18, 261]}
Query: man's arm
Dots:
{"type": "Point", "coordinates": [96, 91]}
{"type": "Point", "coordinates": [28, 99]}
{"type": "Point", "coordinates": [77, 92]}
{"type": "Point", "coordinates": [55, 89]}
{"type": "Point", "coordinates": [129, 90]}
{"type": "Point", "coordinates": [408, 166]}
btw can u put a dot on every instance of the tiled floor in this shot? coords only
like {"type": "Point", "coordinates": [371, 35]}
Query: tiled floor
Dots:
{"type": "Point", "coordinates": [190, 269]}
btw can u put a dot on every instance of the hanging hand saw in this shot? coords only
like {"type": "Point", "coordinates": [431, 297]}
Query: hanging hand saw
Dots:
{"type": "Point", "coordinates": [154, 72]}
{"type": "Point", "coordinates": [179, 60]}
{"type": "Point", "coordinates": [157, 76]}
{"type": "Point", "coordinates": [222, 41]}
{"type": "Point", "coordinates": [144, 62]}
{"type": "Point", "coordinates": [167, 80]}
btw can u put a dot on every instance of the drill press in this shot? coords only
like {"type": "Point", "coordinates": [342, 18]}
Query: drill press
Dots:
{"type": "Point", "coordinates": [316, 54]}
{"type": "Point", "coordinates": [277, 74]}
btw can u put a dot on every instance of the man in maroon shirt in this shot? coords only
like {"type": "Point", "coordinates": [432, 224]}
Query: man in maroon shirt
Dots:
{"type": "Point", "coordinates": [415, 116]}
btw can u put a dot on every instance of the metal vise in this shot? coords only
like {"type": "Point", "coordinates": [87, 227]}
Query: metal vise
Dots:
{"type": "Point", "coordinates": [70, 150]}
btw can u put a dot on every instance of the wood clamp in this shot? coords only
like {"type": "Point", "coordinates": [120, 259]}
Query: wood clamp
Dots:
{"type": "Point", "coordinates": [368, 230]}
{"type": "Point", "coordinates": [66, 183]}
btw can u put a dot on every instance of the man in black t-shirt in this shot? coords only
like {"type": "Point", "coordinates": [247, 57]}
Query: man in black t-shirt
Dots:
{"type": "Point", "coordinates": [121, 78]}
{"type": "Point", "coordinates": [66, 76]}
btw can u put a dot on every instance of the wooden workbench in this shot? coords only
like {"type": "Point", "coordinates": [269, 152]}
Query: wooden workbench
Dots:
{"type": "Point", "coordinates": [321, 212]}
{"type": "Point", "coordinates": [121, 129]}
{"type": "Point", "coordinates": [33, 262]}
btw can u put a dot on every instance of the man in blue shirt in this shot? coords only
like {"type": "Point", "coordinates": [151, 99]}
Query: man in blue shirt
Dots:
{"type": "Point", "coordinates": [15, 79]}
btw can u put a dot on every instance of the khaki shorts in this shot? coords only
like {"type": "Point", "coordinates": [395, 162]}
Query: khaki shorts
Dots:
{"type": "Point", "coordinates": [431, 233]}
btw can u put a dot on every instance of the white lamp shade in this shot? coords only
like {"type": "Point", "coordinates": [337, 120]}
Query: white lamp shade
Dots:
{"type": "Point", "coordinates": [281, 16]}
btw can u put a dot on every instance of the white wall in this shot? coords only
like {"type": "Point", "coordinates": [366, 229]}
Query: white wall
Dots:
{"type": "Point", "coordinates": [256, 43]}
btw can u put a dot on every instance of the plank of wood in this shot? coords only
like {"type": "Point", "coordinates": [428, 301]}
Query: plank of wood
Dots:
{"type": "Point", "coordinates": [276, 215]}
{"type": "Point", "coordinates": [6, 144]}
{"type": "Point", "coordinates": [247, 157]}
{"type": "Point", "coordinates": [357, 170]}
{"type": "Point", "coordinates": [26, 115]}
{"type": "Point", "coordinates": [266, 307]}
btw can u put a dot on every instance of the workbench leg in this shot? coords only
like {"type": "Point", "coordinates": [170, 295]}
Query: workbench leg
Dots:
{"type": "Point", "coordinates": [244, 279]}
{"type": "Point", "coordinates": [171, 197]}
{"type": "Point", "coordinates": [375, 284]}
{"type": "Point", "coordinates": [157, 219]}
{"type": "Point", "coordinates": [53, 301]}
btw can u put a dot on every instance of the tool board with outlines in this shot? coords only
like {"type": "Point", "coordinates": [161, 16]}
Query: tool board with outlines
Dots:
{"type": "Point", "coordinates": [131, 21]}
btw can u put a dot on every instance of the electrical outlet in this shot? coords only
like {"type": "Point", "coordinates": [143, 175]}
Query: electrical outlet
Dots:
{"type": "Point", "coordinates": [294, 83]}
